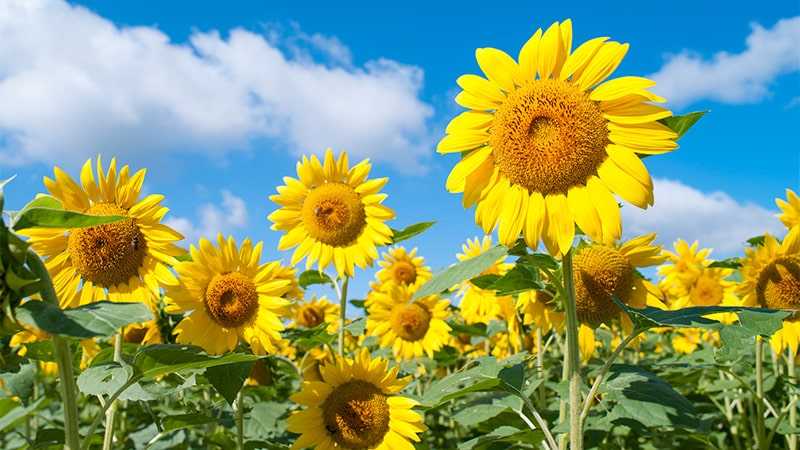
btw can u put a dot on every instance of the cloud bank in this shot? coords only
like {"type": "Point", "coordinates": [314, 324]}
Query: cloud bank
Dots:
{"type": "Point", "coordinates": [225, 218]}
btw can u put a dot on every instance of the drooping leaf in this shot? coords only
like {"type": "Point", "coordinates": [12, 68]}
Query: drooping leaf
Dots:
{"type": "Point", "coordinates": [459, 328]}
{"type": "Point", "coordinates": [681, 124]}
{"type": "Point", "coordinates": [521, 278]}
{"type": "Point", "coordinates": [311, 277]}
{"type": "Point", "coordinates": [485, 281]}
{"type": "Point", "coordinates": [505, 435]}
{"type": "Point", "coordinates": [483, 375]}
{"type": "Point", "coordinates": [762, 322]}
{"type": "Point", "coordinates": [104, 379]}
{"type": "Point", "coordinates": [410, 231]}
{"type": "Point", "coordinates": [692, 317]}
{"type": "Point", "coordinates": [92, 320]}
{"type": "Point", "coordinates": [228, 379]}
{"type": "Point", "coordinates": [541, 261]}
{"type": "Point", "coordinates": [358, 303]}
{"type": "Point", "coordinates": [356, 327]}
{"type": "Point", "coordinates": [737, 342]}
{"type": "Point", "coordinates": [161, 359]}
{"type": "Point", "coordinates": [729, 263]}
{"type": "Point", "coordinates": [461, 271]}
{"type": "Point", "coordinates": [264, 419]}
{"type": "Point", "coordinates": [59, 218]}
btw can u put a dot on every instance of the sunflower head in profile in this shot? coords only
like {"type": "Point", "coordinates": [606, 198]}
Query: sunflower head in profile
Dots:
{"type": "Point", "coordinates": [355, 406]}
{"type": "Point", "coordinates": [332, 214]}
{"type": "Point", "coordinates": [402, 267]}
{"type": "Point", "coordinates": [229, 296]}
{"type": "Point", "coordinates": [603, 272]}
{"type": "Point", "coordinates": [121, 261]}
{"type": "Point", "coordinates": [546, 142]}
{"type": "Point", "coordinates": [683, 267]}
{"type": "Point", "coordinates": [315, 312]}
{"type": "Point", "coordinates": [410, 328]}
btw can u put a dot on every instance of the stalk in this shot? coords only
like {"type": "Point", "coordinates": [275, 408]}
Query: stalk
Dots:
{"type": "Point", "coordinates": [111, 412]}
{"type": "Point", "coordinates": [239, 406]}
{"type": "Point", "coordinates": [540, 367]}
{"type": "Point", "coordinates": [790, 368]}
{"type": "Point", "coordinates": [760, 433]}
{"type": "Point", "coordinates": [342, 314]}
{"type": "Point", "coordinates": [573, 356]}
{"type": "Point", "coordinates": [63, 356]}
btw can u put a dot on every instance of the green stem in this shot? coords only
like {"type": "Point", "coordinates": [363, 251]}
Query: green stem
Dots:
{"type": "Point", "coordinates": [587, 404]}
{"type": "Point", "coordinates": [790, 369]}
{"type": "Point", "coordinates": [540, 368]}
{"type": "Point", "coordinates": [573, 355]}
{"type": "Point", "coordinates": [63, 356]}
{"type": "Point", "coordinates": [111, 412]}
{"type": "Point", "coordinates": [239, 406]}
{"type": "Point", "coordinates": [760, 431]}
{"type": "Point", "coordinates": [342, 313]}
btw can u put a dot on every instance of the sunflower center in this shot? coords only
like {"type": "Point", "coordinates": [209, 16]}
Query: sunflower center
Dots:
{"type": "Point", "coordinates": [231, 299]}
{"type": "Point", "coordinates": [706, 291]}
{"type": "Point", "coordinates": [405, 272]}
{"type": "Point", "coordinates": [548, 136]}
{"type": "Point", "coordinates": [310, 316]}
{"type": "Point", "coordinates": [135, 334]}
{"type": "Point", "coordinates": [356, 415]}
{"type": "Point", "coordinates": [410, 321]}
{"type": "Point", "coordinates": [600, 273]}
{"type": "Point", "coordinates": [110, 254]}
{"type": "Point", "coordinates": [333, 214]}
{"type": "Point", "coordinates": [778, 284]}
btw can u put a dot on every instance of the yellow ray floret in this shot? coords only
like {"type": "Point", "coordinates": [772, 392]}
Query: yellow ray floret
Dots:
{"type": "Point", "coordinates": [315, 312]}
{"type": "Point", "coordinates": [229, 296]}
{"type": "Point", "coordinates": [402, 267]}
{"type": "Point", "coordinates": [546, 142]}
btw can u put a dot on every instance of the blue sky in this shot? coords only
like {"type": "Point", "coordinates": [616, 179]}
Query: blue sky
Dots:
{"type": "Point", "coordinates": [381, 79]}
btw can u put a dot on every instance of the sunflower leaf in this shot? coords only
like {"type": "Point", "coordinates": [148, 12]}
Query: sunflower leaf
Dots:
{"type": "Point", "coordinates": [228, 379]}
{"type": "Point", "coordinates": [58, 218]}
{"type": "Point", "coordinates": [155, 360]}
{"type": "Point", "coordinates": [95, 319]}
{"type": "Point", "coordinates": [410, 231]}
{"type": "Point", "coordinates": [729, 263]}
{"type": "Point", "coordinates": [505, 436]}
{"type": "Point", "coordinates": [486, 374]}
{"type": "Point", "coordinates": [692, 317]}
{"type": "Point", "coordinates": [756, 241]}
{"type": "Point", "coordinates": [311, 277]}
{"type": "Point", "coordinates": [461, 271]}
{"type": "Point", "coordinates": [681, 124]}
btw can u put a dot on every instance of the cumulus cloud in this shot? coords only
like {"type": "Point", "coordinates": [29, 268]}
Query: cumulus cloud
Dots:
{"type": "Point", "coordinates": [212, 219]}
{"type": "Point", "coordinates": [715, 219]}
{"type": "Point", "coordinates": [74, 84]}
{"type": "Point", "coordinates": [733, 77]}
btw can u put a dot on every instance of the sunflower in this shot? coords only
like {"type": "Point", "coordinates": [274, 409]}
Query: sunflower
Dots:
{"type": "Point", "coordinates": [30, 335]}
{"type": "Point", "coordinates": [790, 215]}
{"type": "Point", "coordinates": [538, 309]}
{"type": "Point", "coordinates": [399, 266]}
{"type": "Point", "coordinates": [687, 340]}
{"type": "Point", "coordinates": [229, 295]}
{"type": "Point", "coordinates": [771, 279]}
{"type": "Point", "coordinates": [121, 261]}
{"type": "Point", "coordinates": [312, 313]}
{"type": "Point", "coordinates": [545, 145]}
{"type": "Point", "coordinates": [144, 333]}
{"type": "Point", "coordinates": [332, 214]}
{"type": "Point", "coordinates": [480, 305]}
{"type": "Point", "coordinates": [686, 264]}
{"type": "Point", "coordinates": [410, 328]}
{"type": "Point", "coordinates": [355, 406]}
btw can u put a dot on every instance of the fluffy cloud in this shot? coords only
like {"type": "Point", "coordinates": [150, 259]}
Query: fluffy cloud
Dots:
{"type": "Point", "coordinates": [733, 77]}
{"type": "Point", "coordinates": [73, 84]}
{"type": "Point", "coordinates": [715, 218]}
{"type": "Point", "coordinates": [212, 219]}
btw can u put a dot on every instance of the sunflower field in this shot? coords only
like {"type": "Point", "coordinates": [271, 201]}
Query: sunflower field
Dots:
{"type": "Point", "coordinates": [552, 330]}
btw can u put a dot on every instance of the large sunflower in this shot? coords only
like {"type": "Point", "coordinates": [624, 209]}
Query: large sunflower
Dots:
{"type": "Point", "coordinates": [545, 145]}
{"type": "Point", "coordinates": [410, 328]}
{"type": "Point", "coordinates": [122, 261]}
{"type": "Point", "coordinates": [314, 312]}
{"type": "Point", "coordinates": [771, 279]}
{"type": "Point", "coordinates": [229, 295]}
{"type": "Point", "coordinates": [406, 268]}
{"type": "Point", "coordinates": [355, 406]}
{"type": "Point", "coordinates": [332, 214]}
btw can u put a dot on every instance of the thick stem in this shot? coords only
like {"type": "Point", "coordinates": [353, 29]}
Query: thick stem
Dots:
{"type": "Point", "coordinates": [790, 369]}
{"type": "Point", "coordinates": [342, 313]}
{"type": "Point", "coordinates": [111, 412]}
{"type": "Point", "coordinates": [63, 356]}
{"type": "Point", "coordinates": [760, 432]}
{"type": "Point", "coordinates": [573, 355]}
{"type": "Point", "coordinates": [239, 406]}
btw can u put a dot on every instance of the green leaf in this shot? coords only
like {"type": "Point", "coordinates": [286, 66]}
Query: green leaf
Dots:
{"type": "Point", "coordinates": [104, 379]}
{"type": "Point", "coordinates": [40, 351]}
{"type": "Point", "coordinates": [737, 342]}
{"type": "Point", "coordinates": [738, 339]}
{"type": "Point", "coordinates": [310, 277]}
{"type": "Point", "coordinates": [357, 326]}
{"type": "Point", "coordinates": [504, 435]}
{"type": "Point", "coordinates": [458, 328]}
{"type": "Point", "coordinates": [729, 263]}
{"type": "Point", "coordinates": [229, 378]}
{"type": "Point", "coordinates": [307, 338]}
{"type": "Point", "coordinates": [638, 395]}
{"type": "Point", "coordinates": [485, 281]}
{"type": "Point", "coordinates": [3, 184]}
{"type": "Point", "coordinates": [756, 241]}
{"type": "Point", "coordinates": [681, 124]}
{"type": "Point", "coordinates": [540, 261]}
{"type": "Point", "coordinates": [692, 317]}
{"type": "Point", "coordinates": [461, 271]}
{"type": "Point", "coordinates": [263, 420]}
{"type": "Point", "coordinates": [59, 218]}
{"type": "Point", "coordinates": [358, 303]}
{"type": "Point", "coordinates": [762, 322]}
{"type": "Point", "coordinates": [483, 375]}
{"type": "Point", "coordinates": [181, 421]}
{"type": "Point", "coordinates": [474, 413]}
{"type": "Point", "coordinates": [521, 278]}
{"type": "Point", "coordinates": [155, 360]}
{"type": "Point", "coordinates": [19, 413]}
{"type": "Point", "coordinates": [410, 231]}
{"type": "Point", "coordinates": [20, 383]}
{"type": "Point", "coordinates": [95, 319]}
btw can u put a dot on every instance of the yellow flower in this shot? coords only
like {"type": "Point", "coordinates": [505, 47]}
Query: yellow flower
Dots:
{"type": "Point", "coordinates": [687, 340]}
{"type": "Point", "coordinates": [121, 261]}
{"type": "Point", "coordinates": [545, 145]}
{"type": "Point", "coordinates": [355, 406]}
{"type": "Point", "coordinates": [687, 263]}
{"type": "Point", "coordinates": [537, 310]}
{"type": "Point", "coordinates": [332, 214]}
{"type": "Point", "coordinates": [229, 295]}
{"type": "Point", "coordinates": [312, 313]}
{"type": "Point", "coordinates": [409, 328]}
{"type": "Point", "coordinates": [401, 267]}
{"type": "Point", "coordinates": [479, 305]}
{"type": "Point", "coordinates": [790, 215]}
{"type": "Point", "coordinates": [89, 349]}
{"type": "Point", "coordinates": [145, 333]}
{"type": "Point", "coordinates": [771, 279]}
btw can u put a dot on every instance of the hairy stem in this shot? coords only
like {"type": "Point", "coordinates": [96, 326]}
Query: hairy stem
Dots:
{"type": "Point", "coordinates": [111, 412]}
{"type": "Point", "coordinates": [790, 369]}
{"type": "Point", "coordinates": [573, 355]}
{"type": "Point", "coordinates": [342, 314]}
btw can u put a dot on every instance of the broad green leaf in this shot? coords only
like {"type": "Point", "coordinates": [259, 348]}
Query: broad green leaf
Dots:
{"type": "Point", "coordinates": [692, 317]}
{"type": "Point", "coordinates": [228, 379]}
{"type": "Point", "coordinates": [729, 263]}
{"type": "Point", "coordinates": [181, 421]}
{"type": "Point", "coordinates": [40, 350]}
{"type": "Point", "coordinates": [632, 393]}
{"type": "Point", "coordinates": [540, 261]}
{"type": "Point", "coordinates": [3, 184]}
{"type": "Point", "coordinates": [20, 383]}
{"type": "Point", "coordinates": [737, 342]}
{"type": "Point", "coordinates": [264, 419]}
{"type": "Point", "coordinates": [155, 360]}
{"type": "Point", "coordinates": [762, 322]}
{"type": "Point", "coordinates": [738, 339]}
{"type": "Point", "coordinates": [95, 319]}
{"type": "Point", "coordinates": [358, 303]}
{"type": "Point", "coordinates": [307, 338]}
{"type": "Point", "coordinates": [756, 241]}
{"type": "Point", "coordinates": [310, 277]}
{"type": "Point", "coordinates": [507, 436]}
{"type": "Point", "coordinates": [19, 413]}
{"type": "Point", "coordinates": [483, 375]}
{"type": "Point", "coordinates": [521, 278]}
{"type": "Point", "coordinates": [357, 326]}
{"type": "Point", "coordinates": [104, 379]}
{"type": "Point", "coordinates": [473, 413]}
{"type": "Point", "coordinates": [485, 281]}
{"type": "Point", "coordinates": [681, 124]}
{"type": "Point", "coordinates": [458, 328]}
{"type": "Point", "coordinates": [41, 201]}
{"type": "Point", "coordinates": [446, 356]}
{"type": "Point", "coordinates": [461, 271]}
{"type": "Point", "coordinates": [410, 231]}
{"type": "Point", "coordinates": [59, 218]}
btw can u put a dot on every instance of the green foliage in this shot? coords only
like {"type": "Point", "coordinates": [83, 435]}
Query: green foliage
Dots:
{"type": "Point", "coordinates": [461, 271]}
{"type": "Point", "coordinates": [729, 263]}
{"type": "Point", "coordinates": [485, 374]}
{"type": "Point", "coordinates": [410, 231]}
{"type": "Point", "coordinates": [157, 360]}
{"type": "Point", "coordinates": [96, 319]}
{"type": "Point", "coordinates": [228, 379]}
{"type": "Point", "coordinates": [312, 277]}
{"type": "Point", "coordinates": [681, 124]}
{"type": "Point", "coordinates": [38, 217]}
{"type": "Point", "coordinates": [521, 278]}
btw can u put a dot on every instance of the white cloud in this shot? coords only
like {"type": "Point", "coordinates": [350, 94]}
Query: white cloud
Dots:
{"type": "Point", "coordinates": [212, 219]}
{"type": "Point", "coordinates": [74, 84]}
{"type": "Point", "coordinates": [733, 77]}
{"type": "Point", "coordinates": [715, 219]}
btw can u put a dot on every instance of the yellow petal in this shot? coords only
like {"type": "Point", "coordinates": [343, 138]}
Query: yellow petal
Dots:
{"type": "Point", "coordinates": [607, 209]}
{"type": "Point", "coordinates": [637, 114]}
{"type": "Point", "coordinates": [470, 121]}
{"type": "Point", "coordinates": [462, 141]}
{"type": "Point", "coordinates": [585, 213]}
{"type": "Point", "coordinates": [623, 184]}
{"type": "Point", "coordinates": [549, 51]}
{"type": "Point", "coordinates": [535, 219]}
{"type": "Point", "coordinates": [603, 64]}
{"type": "Point", "coordinates": [529, 57]}
{"type": "Point", "coordinates": [620, 87]}
{"type": "Point", "coordinates": [580, 58]}
{"type": "Point", "coordinates": [471, 101]}
{"type": "Point", "coordinates": [481, 87]}
{"type": "Point", "coordinates": [498, 67]}
{"type": "Point", "coordinates": [560, 222]}
{"type": "Point", "coordinates": [630, 163]}
{"type": "Point", "coordinates": [468, 164]}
